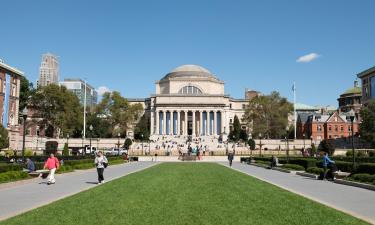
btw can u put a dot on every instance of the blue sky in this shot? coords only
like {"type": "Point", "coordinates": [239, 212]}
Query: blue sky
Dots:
{"type": "Point", "coordinates": [128, 45]}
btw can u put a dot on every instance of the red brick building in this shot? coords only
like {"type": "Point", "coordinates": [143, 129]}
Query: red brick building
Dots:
{"type": "Point", "coordinates": [326, 126]}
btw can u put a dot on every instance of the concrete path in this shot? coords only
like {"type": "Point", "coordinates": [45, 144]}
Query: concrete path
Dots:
{"type": "Point", "coordinates": [21, 197]}
{"type": "Point", "coordinates": [355, 201]}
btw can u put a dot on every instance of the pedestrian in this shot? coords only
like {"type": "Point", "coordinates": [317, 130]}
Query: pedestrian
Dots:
{"type": "Point", "coordinates": [327, 162]}
{"type": "Point", "coordinates": [230, 158]}
{"type": "Point", "coordinates": [52, 164]}
{"type": "Point", "coordinates": [30, 166]}
{"type": "Point", "coordinates": [101, 162]}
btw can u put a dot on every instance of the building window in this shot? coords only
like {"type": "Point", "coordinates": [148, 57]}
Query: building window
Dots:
{"type": "Point", "coordinates": [330, 128]}
{"type": "Point", "coordinates": [350, 128]}
{"type": "Point", "coordinates": [230, 106]}
{"type": "Point", "coordinates": [243, 106]}
{"type": "Point", "coordinates": [319, 127]}
{"type": "Point", "coordinates": [190, 90]}
{"type": "Point", "coordinates": [342, 128]}
{"type": "Point", "coordinates": [336, 128]}
{"type": "Point", "coordinates": [230, 121]}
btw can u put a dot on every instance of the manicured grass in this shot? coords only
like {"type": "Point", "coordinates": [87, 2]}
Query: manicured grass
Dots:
{"type": "Point", "coordinates": [185, 193]}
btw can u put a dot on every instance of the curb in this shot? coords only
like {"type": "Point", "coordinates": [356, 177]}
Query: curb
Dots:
{"type": "Point", "coordinates": [307, 175]}
{"type": "Point", "coordinates": [355, 184]}
{"type": "Point", "coordinates": [281, 170]}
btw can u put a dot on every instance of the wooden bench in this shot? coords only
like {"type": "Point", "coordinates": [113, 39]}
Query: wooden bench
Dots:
{"type": "Point", "coordinates": [42, 173]}
{"type": "Point", "coordinates": [186, 157]}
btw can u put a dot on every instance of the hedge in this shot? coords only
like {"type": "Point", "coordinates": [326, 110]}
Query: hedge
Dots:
{"type": "Point", "coordinates": [12, 176]}
{"type": "Point", "coordinates": [315, 170]}
{"type": "Point", "coordinates": [365, 168]}
{"type": "Point", "coordinates": [293, 167]}
{"type": "Point", "coordinates": [363, 177]}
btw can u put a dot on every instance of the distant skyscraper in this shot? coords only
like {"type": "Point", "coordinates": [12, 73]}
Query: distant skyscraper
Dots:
{"type": "Point", "coordinates": [49, 70]}
{"type": "Point", "coordinates": [77, 86]}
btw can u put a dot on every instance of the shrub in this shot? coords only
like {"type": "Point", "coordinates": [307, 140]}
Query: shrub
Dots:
{"type": "Point", "coordinates": [344, 166]}
{"type": "Point", "coordinates": [65, 151]}
{"type": "Point", "coordinates": [84, 166]}
{"type": "Point", "coordinates": [349, 153]}
{"type": "Point", "coordinates": [371, 153]}
{"type": "Point", "coordinates": [293, 167]}
{"type": "Point", "coordinates": [313, 149]}
{"type": "Point", "coordinates": [28, 152]}
{"type": "Point", "coordinates": [9, 153]}
{"type": "Point", "coordinates": [305, 162]}
{"type": "Point", "coordinates": [65, 169]}
{"type": "Point", "coordinates": [12, 176]}
{"type": "Point", "coordinates": [251, 144]}
{"type": "Point", "coordinates": [315, 170]}
{"type": "Point", "coordinates": [365, 168]}
{"type": "Point", "coordinates": [363, 177]}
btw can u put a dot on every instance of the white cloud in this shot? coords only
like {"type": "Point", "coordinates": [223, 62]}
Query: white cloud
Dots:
{"type": "Point", "coordinates": [307, 58]}
{"type": "Point", "coordinates": [102, 89]}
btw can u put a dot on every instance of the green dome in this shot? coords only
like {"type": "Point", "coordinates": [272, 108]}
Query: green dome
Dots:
{"type": "Point", "coordinates": [354, 90]}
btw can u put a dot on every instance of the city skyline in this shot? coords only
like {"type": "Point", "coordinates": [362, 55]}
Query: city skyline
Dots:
{"type": "Point", "coordinates": [321, 46]}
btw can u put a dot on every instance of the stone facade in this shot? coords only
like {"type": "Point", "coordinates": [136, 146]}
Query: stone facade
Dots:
{"type": "Point", "coordinates": [190, 101]}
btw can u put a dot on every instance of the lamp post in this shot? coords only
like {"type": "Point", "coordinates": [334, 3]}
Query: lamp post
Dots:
{"type": "Point", "coordinates": [118, 142]}
{"type": "Point", "coordinates": [91, 128]}
{"type": "Point", "coordinates": [24, 116]}
{"type": "Point", "coordinates": [304, 142]}
{"type": "Point", "coordinates": [287, 144]}
{"type": "Point", "coordinates": [352, 116]}
{"type": "Point", "coordinates": [260, 144]}
{"type": "Point", "coordinates": [67, 140]}
{"type": "Point", "coordinates": [142, 142]}
{"type": "Point", "coordinates": [234, 143]}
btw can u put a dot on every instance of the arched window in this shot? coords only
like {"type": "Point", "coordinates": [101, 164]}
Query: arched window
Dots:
{"type": "Point", "coordinates": [190, 90]}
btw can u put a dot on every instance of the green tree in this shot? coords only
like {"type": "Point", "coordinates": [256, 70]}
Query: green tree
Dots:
{"type": "Point", "coordinates": [234, 134]}
{"type": "Point", "coordinates": [65, 151]}
{"type": "Point", "coordinates": [142, 128]}
{"type": "Point", "coordinates": [119, 113]}
{"type": "Point", "coordinates": [327, 146]}
{"type": "Point", "coordinates": [26, 91]}
{"type": "Point", "coordinates": [367, 127]}
{"type": "Point", "coordinates": [58, 108]}
{"type": "Point", "coordinates": [251, 144]}
{"type": "Point", "coordinates": [128, 142]}
{"type": "Point", "coordinates": [268, 115]}
{"type": "Point", "coordinates": [102, 126]}
{"type": "Point", "coordinates": [4, 140]}
{"type": "Point", "coordinates": [243, 135]}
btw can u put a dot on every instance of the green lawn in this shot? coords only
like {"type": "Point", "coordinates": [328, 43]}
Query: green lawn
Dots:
{"type": "Point", "coordinates": [185, 193]}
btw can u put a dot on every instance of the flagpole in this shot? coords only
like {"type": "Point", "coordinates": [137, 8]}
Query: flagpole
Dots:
{"type": "Point", "coordinates": [295, 112]}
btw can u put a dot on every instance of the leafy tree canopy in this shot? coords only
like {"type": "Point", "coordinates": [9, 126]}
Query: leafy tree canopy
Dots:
{"type": "Point", "coordinates": [268, 115]}
{"type": "Point", "coordinates": [367, 127]}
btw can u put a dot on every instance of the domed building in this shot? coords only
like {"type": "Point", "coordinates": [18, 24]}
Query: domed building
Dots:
{"type": "Point", "coordinates": [351, 100]}
{"type": "Point", "coordinates": [190, 101]}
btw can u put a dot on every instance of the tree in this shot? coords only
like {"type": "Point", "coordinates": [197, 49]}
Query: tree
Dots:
{"type": "Point", "coordinates": [367, 127]}
{"type": "Point", "coordinates": [128, 142]}
{"type": "Point", "coordinates": [268, 115]}
{"type": "Point", "coordinates": [235, 133]}
{"type": "Point", "coordinates": [51, 147]}
{"type": "Point", "coordinates": [26, 90]}
{"type": "Point", "coordinates": [119, 113]}
{"type": "Point", "coordinates": [58, 108]}
{"type": "Point", "coordinates": [327, 146]}
{"type": "Point", "coordinates": [142, 128]}
{"type": "Point", "coordinates": [243, 135]}
{"type": "Point", "coordinates": [65, 151]}
{"type": "Point", "coordinates": [251, 144]}
{"type": "Point", "coordinates": [4, 140]}
{"type": "Point", "coordinates": [102, 126]}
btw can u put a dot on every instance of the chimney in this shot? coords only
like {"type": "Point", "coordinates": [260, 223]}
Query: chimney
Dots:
{"type": "Point", "coordinates": [356, 83]}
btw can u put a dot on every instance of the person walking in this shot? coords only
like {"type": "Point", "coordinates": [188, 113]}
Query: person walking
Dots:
{"type": "Point", "coordinates": [230, 158]}
{"type": "Point", "coordinates": [326, 163]}
{"type": "Point", "coordinates": [52, 164]}
{"type": "Point", "coordinates": [101, 162]}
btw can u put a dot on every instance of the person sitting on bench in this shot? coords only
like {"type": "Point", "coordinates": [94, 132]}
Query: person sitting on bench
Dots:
{"type": "Point", "coordinates": [30, 166]}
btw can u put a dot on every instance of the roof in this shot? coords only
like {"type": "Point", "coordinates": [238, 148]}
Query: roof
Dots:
{"type": "Point", "coordinates": [366, 72]}
{"type": "Point", "coordinates": [353, 90]}
{"type": "Point", "coordinates": [300, 106]}
{"type": "Point", "coordinates": [191, 72]}
{"type": "Point", "coordinates": [10, 69]}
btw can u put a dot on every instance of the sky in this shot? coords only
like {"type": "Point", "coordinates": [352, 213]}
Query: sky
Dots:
{"type": "Point", "coordinates": [261, 45]}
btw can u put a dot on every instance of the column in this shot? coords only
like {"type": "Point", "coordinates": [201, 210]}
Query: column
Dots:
{"type": "Point", "coordinates": [164, 124]}
{"type": "Point", "coordinates": [178, 123]}
{"type": "Point", "coordinates": [186, 123]}
{"type": "Point", "coordinates": [157, 122]}
{"type": "Point", "coordinates": [214, 125]}
{"type": "Point", "coordinates": [223, 121]}
{"type": "Point", "coordinates": [207, 122]}
{"type": "Point", "coordinates": [152, 123]}
{"type": "Point", "coordinates": [200, 123]}
{"type": "Point", "coordinates": [194, 134]}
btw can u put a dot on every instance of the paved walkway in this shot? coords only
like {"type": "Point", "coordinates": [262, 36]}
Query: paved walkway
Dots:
{"type": "Point", "coordinates": [355, 201]}
{"type": "Point", "coordinates": [21, 197]}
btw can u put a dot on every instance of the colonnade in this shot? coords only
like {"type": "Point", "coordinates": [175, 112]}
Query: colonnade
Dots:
{"type": "Point", "coordinates": [187, 122]}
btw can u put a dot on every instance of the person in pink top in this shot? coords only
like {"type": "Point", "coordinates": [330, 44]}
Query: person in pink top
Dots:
{"type": "Point", "coordinates": [52, 164]}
